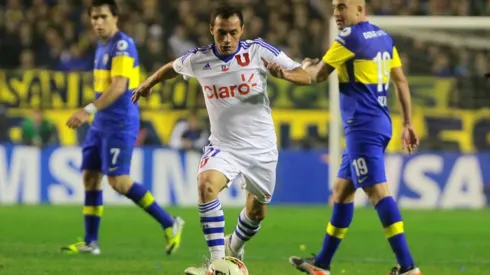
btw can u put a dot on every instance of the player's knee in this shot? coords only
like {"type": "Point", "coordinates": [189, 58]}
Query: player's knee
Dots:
{"type": "Point", "coordinates": [343, 191]}
{"type": "Point", "coordinates": [120, 184]}
{"type": "Point", "coordinates": [210, 183]}
{"type": "Point", "coordinates": [377, 192]}
{"type": "Point", "coordinates": [92, 180]}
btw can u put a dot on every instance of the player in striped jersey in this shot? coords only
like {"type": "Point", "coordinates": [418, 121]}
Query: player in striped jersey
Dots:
{"type": "Point", "coordinates": [242, 149]}
{"type": "Point", "coordinates": [365, 58]}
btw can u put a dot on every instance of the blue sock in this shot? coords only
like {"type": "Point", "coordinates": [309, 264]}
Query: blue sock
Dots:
{"type": "Point", "coordinates": [213, 227]}
{"type": "Point", "coordinates": [142, 197]}
{"type": "Point", "coordinates": [390, 217]}
{"type": "Point", "coordinates": [336, 229]}
{"type": "Point", "coordinates": [92, 212]}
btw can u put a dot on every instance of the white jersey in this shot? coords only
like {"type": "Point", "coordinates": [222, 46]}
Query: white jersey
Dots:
{"type": "Point", "coordinates": [235, 91]}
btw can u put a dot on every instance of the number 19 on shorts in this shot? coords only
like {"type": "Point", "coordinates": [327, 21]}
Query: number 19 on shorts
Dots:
{"type": "Point", "coordinates": [360, 166]}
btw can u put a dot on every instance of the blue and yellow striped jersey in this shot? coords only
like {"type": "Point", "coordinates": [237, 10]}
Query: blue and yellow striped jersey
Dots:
{"type": "Point", "coordinates": [363, 56]}
{"type": "Point", "coordinates": [117, 57]}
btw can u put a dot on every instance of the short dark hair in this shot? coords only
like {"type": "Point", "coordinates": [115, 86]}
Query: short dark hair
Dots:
{"type": "Point", "coordinates": [226, 12]}
{"type": "Point", "coordinates": [111, 3]}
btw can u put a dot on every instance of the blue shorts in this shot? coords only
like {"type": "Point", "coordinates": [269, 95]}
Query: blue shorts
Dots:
{"type": "Point", "coordinates": [363, 159]}
{"type": "Point", "coordinates": [108, 152]}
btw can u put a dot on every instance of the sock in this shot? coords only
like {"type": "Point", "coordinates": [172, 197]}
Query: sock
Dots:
{"type": "Point", "coordinates": [142, 197]}
{"type": "Point", "coordinates": [245, 229]}
{"type": "Point", "coordinates": [390, 217]}
{"type": "Point", "coordinates": [336, 229]}
{"type": "Point", "coordinates": [92, 212]}
{"type": "Point", "coordinates": [213, 227]}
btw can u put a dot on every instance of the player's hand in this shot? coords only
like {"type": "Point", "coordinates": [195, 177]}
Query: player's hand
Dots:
{"type": "Point", "coordinates": [78, 118]}
{"type": "Point", "coordinates": [308, 62]}
{"type": "Point", "coordinates": [143, 90]}
{"type": "Point", "coordinates": [410, 141]}
{"type": "Point", "coordinates": [274, 69]}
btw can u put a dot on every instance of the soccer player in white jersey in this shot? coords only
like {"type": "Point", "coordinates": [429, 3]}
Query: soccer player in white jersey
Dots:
{"type": "Point", "coordinates": [233, 76]}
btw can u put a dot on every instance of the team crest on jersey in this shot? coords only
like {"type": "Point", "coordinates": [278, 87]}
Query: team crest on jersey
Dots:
{"type": "Point", "coordinates": [242, 62]}
{"type": "Point", "coordinates": [346, 31]}
{"type": "Point", "coordinates": [225, 68]}
{"type": "Point", "coordinates": [122, 45]}
{"type": "Point", "coordinates": [105, 59]}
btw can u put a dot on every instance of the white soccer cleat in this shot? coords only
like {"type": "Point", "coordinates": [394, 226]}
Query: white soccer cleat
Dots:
{"type": "Point", "coordinates": [229, 251]}
{"type": "Point", "coordinates": [414, 271]}
{"type": "Point", "coordinates": [196, 271]}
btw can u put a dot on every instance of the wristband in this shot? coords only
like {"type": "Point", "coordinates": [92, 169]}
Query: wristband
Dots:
{"type": "Point", "coordinates": [91, 109]}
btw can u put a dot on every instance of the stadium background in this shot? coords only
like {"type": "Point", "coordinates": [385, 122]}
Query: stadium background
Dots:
{"type": "Point", "coordinates": [46, 51]}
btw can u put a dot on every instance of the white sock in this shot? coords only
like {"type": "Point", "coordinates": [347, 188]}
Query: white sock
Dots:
{"type": "Point", "coordinates": [245, 229]}
{"type": "Point", "coordinates": [213, 227]}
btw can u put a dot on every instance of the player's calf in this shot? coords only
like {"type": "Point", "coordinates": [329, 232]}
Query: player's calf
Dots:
{"type": "Point", "coordinates": [392, 222]}
{"type": "Point", "coordinates": [247, 227]}
{"type": "Point", "coordinates": [342, 215]}
{"type": "Point", "coordinates": [141, 196]}
{"type": "Point", "coordinates": [210, 183]}
{"type": "Point", "coordinates": [93, 207]}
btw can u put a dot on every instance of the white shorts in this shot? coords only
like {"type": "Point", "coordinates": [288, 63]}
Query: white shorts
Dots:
{"type": "Point", "coordinates": [257, 171]}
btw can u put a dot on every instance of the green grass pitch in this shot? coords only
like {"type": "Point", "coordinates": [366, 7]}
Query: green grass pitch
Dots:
{"type": "Point", "coordinates": [443, 242]}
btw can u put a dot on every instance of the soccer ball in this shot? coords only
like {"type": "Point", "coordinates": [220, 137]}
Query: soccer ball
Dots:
{"type": "Point", "coordinates": [227, 266]}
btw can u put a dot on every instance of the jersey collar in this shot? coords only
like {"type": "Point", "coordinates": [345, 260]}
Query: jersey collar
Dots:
{"type": "Point", "coordinates": [226, 58]}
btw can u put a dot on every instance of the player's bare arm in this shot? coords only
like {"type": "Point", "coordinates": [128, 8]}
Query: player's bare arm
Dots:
{"type": "Point", "coordinates": [317, 70]}
{"type": "Point", "coordinates": [403, 94]}
{"type": "Point", "coordinates": [117, 88]}
{"type": "Point", "coordinates": [167, 71]}
{"type": "Point", "coordinates": [409, 137]}
{"type": "Point", "coordinates": [297, 76]}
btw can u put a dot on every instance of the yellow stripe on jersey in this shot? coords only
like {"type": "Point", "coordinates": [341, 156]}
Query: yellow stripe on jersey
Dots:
{"type": "Point", "coordinates": [337, 55]}
{"type": "Point", "coordinates": [396, 61]}
{"type": "Point", "coordinates": [102, 80]}
{"type": "Point", "coordinates": [376, 71]}
{"type": "Point", "coordinates": [124, 66]}
{"type": "Point", "coordinates": [367, 72]}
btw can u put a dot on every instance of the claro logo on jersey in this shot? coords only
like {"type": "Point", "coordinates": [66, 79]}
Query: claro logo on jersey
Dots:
{"type": "Point", "coordinates": [222, 92]}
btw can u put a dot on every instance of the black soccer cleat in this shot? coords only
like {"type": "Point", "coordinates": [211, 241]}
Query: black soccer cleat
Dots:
{"type": "Point", "coordinates": [307, 265]}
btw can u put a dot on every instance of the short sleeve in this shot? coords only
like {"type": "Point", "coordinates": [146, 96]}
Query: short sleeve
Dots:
{"type": "Point", "coordinates": [337, 55]}
{"type": "Point", "coordinates": [183, 64]}
{"type": "Point", "coordinates": [395, 60]}
{"type": "Point", "coordinates": [342, 49]}
{"type": "Point", "coordinates": [272, 54]}
{"type": "Point", "coordinates": [123, 57]}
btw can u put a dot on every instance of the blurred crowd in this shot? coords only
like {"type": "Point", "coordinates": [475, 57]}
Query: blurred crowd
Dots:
{"type": "Point", "coordinates": [56, 34]}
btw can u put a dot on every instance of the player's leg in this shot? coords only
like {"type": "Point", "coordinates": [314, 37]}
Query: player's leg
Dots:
{"type": "Point", "coordinates": [259, 175]}
{"type": "Point", "coordinates": [215, 173]}
{"type": "Point", "coordinates": [116, 162]}
{"type": "Point", "coordinates": [392, 222]}
{"type": "Point", "coordinates": [93, 205]}
{"type": "Point", "coordinates": [342, 215]}
{"type": "Point", "coordinates": [247, 227]}
{"type": "Point", "coordinates": [93, 202]}
{"type": "Point", "coordinates": [368, 170]}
